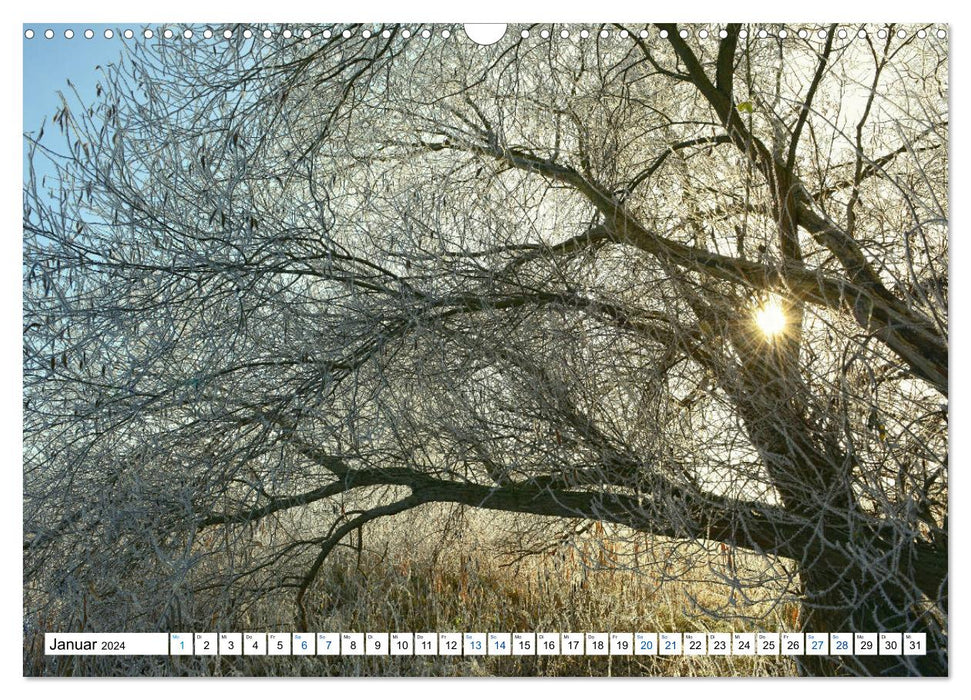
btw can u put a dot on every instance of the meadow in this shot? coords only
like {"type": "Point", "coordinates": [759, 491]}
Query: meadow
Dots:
{"type": "Point", "coordinates": [482, 572]}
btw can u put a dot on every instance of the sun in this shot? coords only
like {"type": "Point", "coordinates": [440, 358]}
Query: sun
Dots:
{"type": "Point", "coordinates": [771, 318]}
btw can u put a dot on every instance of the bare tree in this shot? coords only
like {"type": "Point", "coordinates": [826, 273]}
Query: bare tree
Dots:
{"type": "Point", "coordinates": [696, 287]}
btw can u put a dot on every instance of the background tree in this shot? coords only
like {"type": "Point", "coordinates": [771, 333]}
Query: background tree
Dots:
{"type": "Point", "coordinates": [696, 287]}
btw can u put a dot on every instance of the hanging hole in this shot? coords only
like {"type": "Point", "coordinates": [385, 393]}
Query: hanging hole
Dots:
{"type": "Point", "coordinates": [485, 34]}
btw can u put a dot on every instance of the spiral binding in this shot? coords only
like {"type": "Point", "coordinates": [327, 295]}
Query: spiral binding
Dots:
{"type": "Point", "coordinates": [561, 31]}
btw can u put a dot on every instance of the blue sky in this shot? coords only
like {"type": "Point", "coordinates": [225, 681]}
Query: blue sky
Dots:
{"type": "Point", "coordinates": [49, 63]}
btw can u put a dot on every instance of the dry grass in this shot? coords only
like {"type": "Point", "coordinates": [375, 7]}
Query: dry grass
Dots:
{"type": "Point", "coordinates": [404, 580]}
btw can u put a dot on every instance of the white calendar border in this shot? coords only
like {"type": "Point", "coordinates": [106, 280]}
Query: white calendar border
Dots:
{"type": "Point", "coordinates": [495, 10]}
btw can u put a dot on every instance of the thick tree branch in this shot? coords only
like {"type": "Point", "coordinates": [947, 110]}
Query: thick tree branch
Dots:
{"type": "Point", "coordinates": [747, 524]}
{"type": "Point", "coordinates": [906, 333]}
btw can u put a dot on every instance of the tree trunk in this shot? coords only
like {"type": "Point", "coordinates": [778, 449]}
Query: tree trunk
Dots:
{"type": "Point", "coordinates": [853, 601]}
{"type": "Point", "coordinates": [865, 584]}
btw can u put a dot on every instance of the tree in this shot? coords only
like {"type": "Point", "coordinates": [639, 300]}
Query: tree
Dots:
{"type": "Point", "coordinates": [693, 286]}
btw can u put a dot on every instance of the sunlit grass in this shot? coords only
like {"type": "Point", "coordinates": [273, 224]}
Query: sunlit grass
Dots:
{"type": "Point", "coordinates": [402, 582]}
